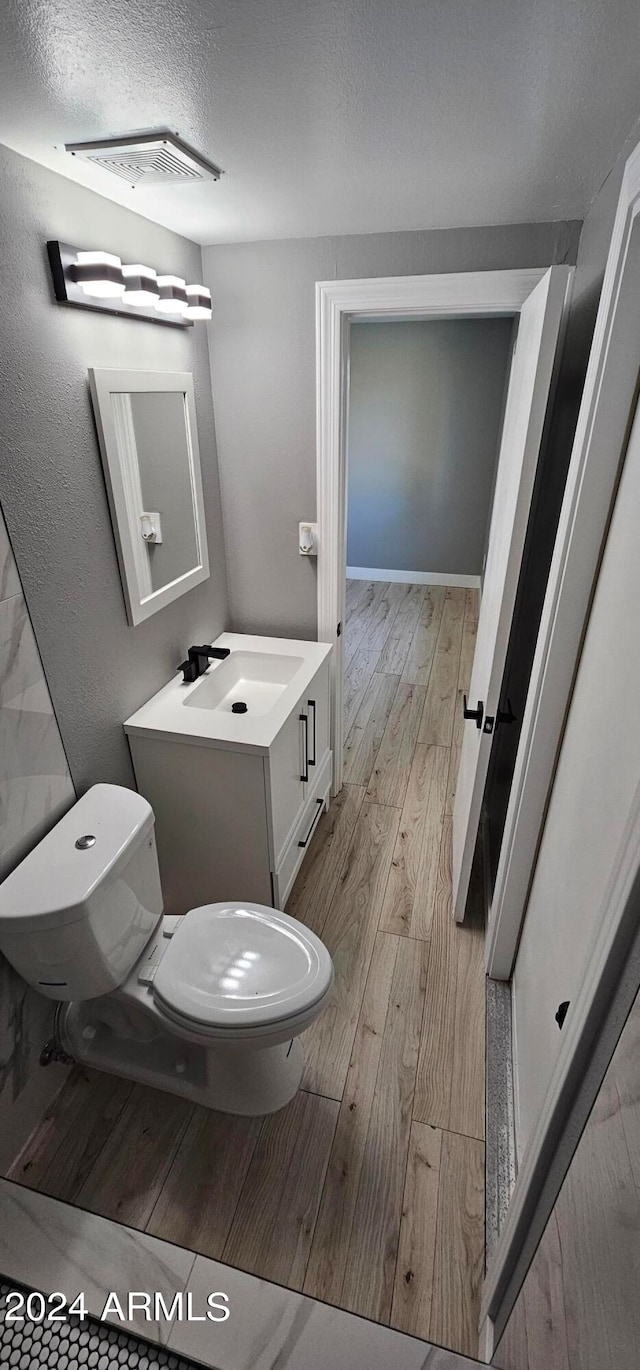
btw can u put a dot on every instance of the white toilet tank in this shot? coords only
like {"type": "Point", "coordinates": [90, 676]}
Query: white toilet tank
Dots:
{"type": "Point", "coordinates": [76, 914]}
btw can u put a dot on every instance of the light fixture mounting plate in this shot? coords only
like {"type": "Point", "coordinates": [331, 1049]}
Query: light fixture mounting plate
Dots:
{"type": "Point", "coordinates": [63, 258]}
{"type": "Point", "coordinates": [144, 159]}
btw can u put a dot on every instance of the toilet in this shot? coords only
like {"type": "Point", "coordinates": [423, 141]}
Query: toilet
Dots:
{"type": "Point", "coordinates": [209, 1005]}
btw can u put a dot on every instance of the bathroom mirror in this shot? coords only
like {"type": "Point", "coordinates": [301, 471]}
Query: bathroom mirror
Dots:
{"type": "Point", "coordinates": [148, 437]}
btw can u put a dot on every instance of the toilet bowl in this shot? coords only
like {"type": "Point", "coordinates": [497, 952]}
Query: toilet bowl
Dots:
{"type": "Point", "coordinates": [210, 1005]}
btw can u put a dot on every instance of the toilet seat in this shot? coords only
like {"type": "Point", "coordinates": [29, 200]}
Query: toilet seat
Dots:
{"type": "Point", "coordinates": [241, 968]}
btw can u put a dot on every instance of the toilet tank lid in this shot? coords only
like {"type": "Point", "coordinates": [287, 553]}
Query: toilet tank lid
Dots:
{"type": "Point", "coordinates": [54, 883]}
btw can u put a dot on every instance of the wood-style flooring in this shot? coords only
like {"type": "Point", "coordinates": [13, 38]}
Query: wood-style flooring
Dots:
{"type": "Point", "coordinates": [367, 1191]}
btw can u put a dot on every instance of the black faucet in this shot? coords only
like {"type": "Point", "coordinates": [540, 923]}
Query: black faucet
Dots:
{"type": "Point", "coordinates": [198, 659]}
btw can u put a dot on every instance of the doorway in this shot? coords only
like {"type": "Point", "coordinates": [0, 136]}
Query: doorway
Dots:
{"type": "Point", "coordinates": [539, 300]}
{"type": "Point", "coordinates": [425, 411]}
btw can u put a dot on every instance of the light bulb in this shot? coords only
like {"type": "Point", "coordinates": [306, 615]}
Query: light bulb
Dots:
{"type": "Point", "coordinates": [173, 295]}
{"type": "Point", "coordinates": [99, 274]}
{"type": "Point", "coordinates": [199, 302]}
{"type": "Point", "coordinates": [140, 285]}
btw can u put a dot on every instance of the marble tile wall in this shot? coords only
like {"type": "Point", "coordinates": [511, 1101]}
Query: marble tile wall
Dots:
{"type": "Point", "coordinates": [35, 790]}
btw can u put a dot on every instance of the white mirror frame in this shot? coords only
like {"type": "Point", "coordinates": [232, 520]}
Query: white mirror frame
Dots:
{"type": "Point", "coordinates": [121, 491]}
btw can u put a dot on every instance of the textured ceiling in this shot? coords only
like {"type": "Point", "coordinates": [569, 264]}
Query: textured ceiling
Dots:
{"type": "Point", "coordinates": [333, 116]}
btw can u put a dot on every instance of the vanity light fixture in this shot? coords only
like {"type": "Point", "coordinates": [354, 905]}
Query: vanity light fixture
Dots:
{"type": "Point", "coordinates": [199, 302]}
{"type": "Point", "coordinates": [140, 285]}
{"type": "Point", "coordinates": [173, 295]}
{"type": "Point", "coordinates": [99, 274]}
{"type": "Point", "coordinates": [90, 279]}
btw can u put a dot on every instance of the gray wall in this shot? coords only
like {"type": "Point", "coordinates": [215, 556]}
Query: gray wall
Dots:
{"type": "Point", "coordinates": [35, 790]}
{"type": "Point", "coordinates": [51, 485]}
{"type": "Point", "coordinates": [425, 409]}
{"type": "Point", "coordinates": [262, 344]}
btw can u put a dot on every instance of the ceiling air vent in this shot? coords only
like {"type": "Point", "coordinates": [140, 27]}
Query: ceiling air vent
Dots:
{"type": "Point", "coordinates": [147, 159]}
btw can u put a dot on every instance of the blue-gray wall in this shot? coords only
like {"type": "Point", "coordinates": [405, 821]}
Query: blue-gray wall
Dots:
{"type": "Point", "coordinates": [425, 411]}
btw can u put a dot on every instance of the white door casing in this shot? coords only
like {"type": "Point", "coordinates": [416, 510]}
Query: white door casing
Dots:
{"type": "Point", "coordinates": [532, 369]}
{"type": "Point", "coordinates": [445, 296]}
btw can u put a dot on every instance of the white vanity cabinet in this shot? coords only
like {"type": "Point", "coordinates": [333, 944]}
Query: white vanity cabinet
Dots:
{"type": "Point", "coordinates": [236, 798]}
{"type": "Point", "coordinates": [298, 779]}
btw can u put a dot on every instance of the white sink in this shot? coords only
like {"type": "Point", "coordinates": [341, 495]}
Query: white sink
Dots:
{"type": "Point", "coordinates": [256, 679]}
{"type": "Point", "coordinates": [269, 674]}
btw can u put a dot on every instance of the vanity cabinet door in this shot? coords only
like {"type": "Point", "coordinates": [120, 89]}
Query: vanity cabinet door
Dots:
{"type": "Point", "coordinates": [287, 774]}
{"type": "Point", "coordinates": [316, 706]}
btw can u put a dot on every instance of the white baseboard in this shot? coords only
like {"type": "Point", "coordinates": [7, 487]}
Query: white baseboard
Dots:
{"type": "Point", "coordinates": [414, 577]}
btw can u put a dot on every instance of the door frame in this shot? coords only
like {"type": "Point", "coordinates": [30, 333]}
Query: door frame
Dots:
{"type": "Point", "coordinates": [598, 449]}
{"type": "Point", "coordinates": [338, 304]}
{"type": "Point", "coordinates": [612, 973]}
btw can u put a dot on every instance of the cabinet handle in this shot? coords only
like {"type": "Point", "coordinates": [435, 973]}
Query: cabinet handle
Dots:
{"type": "Point", "coordinates": [305, 765]}
{"type": "Point", "coordinates": [312, 705]}
{"type": "Point", "coordinates": [316, 816]}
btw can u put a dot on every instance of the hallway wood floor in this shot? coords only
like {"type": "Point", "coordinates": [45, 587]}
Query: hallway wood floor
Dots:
{"type": "Point", "coordinates": [367, 1191]}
